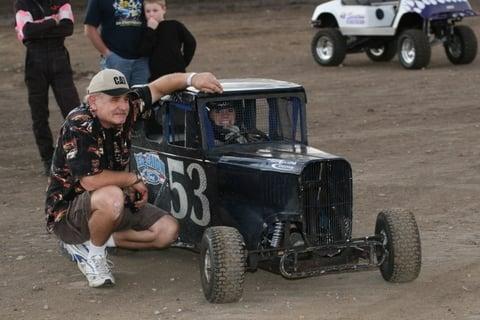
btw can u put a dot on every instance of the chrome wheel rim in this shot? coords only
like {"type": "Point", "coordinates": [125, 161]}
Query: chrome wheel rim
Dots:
{"type": "Point", "coordinates": [455, 47]}
{"type": "Point", "coordinates": [381, 257]}
{"type": "Point", "coordinates": [385, 239]}
{"type": "Point", "coordinates": [377, 51]}
{"type": "Point", "coordinates": [207, 266]}
{"type": "Point", "coordinates": [324, 48]}
{"type": "Point", "coordinates": [408, 51]}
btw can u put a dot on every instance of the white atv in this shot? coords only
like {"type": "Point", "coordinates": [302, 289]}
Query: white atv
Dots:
{"type": "Point", "coordinates": [384, 28]}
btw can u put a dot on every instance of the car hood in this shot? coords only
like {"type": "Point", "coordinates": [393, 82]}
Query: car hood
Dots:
{"type": "Point", "coordinates": [290, 158]}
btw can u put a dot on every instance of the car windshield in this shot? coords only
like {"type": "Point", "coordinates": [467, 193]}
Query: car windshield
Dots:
{"type": "Point", "coordinates": [245, 121]}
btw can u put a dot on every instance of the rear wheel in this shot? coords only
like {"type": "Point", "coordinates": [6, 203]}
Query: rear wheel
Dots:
{"type": "Point", "coordinates": [329, 47]}
{"type": "Point", "coordinates": [414, 49]}
{"type": "Point", "coordinates": [402, 257]}
{"type": "Point", "coordinates": [385, 52]}
{"type": "Point", "coordinates": [461, 48]}
{"type": "Point", "coordinates": [222, 264]}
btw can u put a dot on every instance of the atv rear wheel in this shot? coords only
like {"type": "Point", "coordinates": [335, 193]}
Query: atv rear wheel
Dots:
{"type": "Point", "coordinates": [222, 264]}
{"type": "Point", "coordinates": [385, 52]}
{"type": "Point", "coordinates": [329, 47]}
{"type": "Point", "coordinates": [461, 48]}
{"type": "Point", "coordinates": [414, 49]}
{"type": "Point", "coordinates": [401, 239]}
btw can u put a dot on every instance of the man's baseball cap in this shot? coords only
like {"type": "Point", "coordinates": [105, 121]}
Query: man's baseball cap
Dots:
{"type": "Point", "coordinates": [109, 81]}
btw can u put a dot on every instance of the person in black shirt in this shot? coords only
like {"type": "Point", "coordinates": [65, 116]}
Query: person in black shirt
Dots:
{"type": "Point", "coordinates": [168, 43]}
{"type": "Point", "coordinates": [42, 27]}
{"type": "Point", "coordinates": [115, 29]}
{"type": "Point", "coordinates": [91, 199]}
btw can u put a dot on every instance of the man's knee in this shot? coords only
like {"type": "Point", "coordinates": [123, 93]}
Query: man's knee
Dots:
{"type": "Point", "coordinates": [166, 231]}
{"type": "Point", "coordinates": [108, 200]}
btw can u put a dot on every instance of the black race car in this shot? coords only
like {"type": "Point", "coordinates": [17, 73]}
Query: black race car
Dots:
{"type": "Point", "coordinates": [236, 170]}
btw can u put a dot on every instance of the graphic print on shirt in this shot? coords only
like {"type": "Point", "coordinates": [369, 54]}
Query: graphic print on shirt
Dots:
{"type": "Point", "coordinates": [128, 13]}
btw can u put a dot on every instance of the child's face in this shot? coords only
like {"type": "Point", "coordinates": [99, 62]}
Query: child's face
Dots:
{"type": "Point", "coordinates": [155, 11]}
{"type": "Point", "coordinates": [224, 117]}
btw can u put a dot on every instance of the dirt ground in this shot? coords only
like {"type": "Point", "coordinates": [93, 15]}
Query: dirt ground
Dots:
{"type": "Point", "coordinates": [412, 138]}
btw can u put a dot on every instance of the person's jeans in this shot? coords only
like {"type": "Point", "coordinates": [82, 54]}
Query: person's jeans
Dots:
{"type": "Point", "coordinates": [135, 70]}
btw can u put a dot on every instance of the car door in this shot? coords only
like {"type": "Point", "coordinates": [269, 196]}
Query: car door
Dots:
{"type": "Point", "coordinates": [191, 186]}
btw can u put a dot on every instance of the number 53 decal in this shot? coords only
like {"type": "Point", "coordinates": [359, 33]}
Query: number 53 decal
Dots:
{"type": "Point", "coordinates": [176, 170]}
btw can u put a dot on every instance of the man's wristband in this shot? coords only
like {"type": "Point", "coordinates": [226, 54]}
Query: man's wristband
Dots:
{"type": "Point", "coordinates": [189, 78]}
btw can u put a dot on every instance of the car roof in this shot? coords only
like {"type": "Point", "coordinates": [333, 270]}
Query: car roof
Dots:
{"type": "Point", "coordinates": [251, 86]}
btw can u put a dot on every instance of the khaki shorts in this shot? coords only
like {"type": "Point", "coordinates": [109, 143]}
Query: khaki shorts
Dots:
{"type": "Point", "coordinates": [73, 228]}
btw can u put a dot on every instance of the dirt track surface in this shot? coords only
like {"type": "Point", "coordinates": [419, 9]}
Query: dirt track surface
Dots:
{"type": "Point", "coordinates": [412, 138]}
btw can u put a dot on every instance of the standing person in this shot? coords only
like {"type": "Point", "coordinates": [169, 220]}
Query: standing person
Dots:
{"type": "Point", "coordinates": [168, 43]}
{"type": "Point", "coordinates": [122, 24]}
{"type": "Point", "coordinates": [91, 199]}
{"type": "Point", "coordinates": [42, 27]}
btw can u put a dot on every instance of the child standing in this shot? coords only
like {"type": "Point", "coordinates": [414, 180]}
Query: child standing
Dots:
{"type": "Point", "coordinates": [168, 43]}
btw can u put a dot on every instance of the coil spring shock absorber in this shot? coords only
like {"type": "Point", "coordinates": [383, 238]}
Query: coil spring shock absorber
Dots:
{"type": "Point", "coordinates": [277, 234]}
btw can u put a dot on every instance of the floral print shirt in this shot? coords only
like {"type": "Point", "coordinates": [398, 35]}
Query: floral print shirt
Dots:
{"type": "Point", "coordinates": [85, 148]}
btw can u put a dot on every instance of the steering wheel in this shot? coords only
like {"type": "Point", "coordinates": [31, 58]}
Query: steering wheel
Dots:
{"type": "Point", "coordinates": [231, 137]}
{"type": "Point", "coordinates": [256, 136]}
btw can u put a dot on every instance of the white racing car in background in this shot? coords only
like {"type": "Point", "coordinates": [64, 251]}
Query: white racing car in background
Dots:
{"type": "Point", "coordinates": [385, 28]}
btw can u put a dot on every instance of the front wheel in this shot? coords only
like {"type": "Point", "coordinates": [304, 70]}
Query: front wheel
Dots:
{"type": "Point", "coordinates": [402, 256]}
{"type": "Point", "coordinates": [222, 264]}
{"type": "Point", "coordinates": [461, 47]}
{"type": "Point", "coordinates": [329, 47]}
{"type": "Point", "coordinates": [413, 49]}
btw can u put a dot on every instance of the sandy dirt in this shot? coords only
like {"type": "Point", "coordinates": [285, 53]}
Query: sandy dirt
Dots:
{"type": "Point", "coordinates": [412, 138]}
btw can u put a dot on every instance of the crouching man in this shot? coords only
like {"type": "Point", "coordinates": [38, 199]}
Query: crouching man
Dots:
{"type": "Point", "coordinates": [92, 201]}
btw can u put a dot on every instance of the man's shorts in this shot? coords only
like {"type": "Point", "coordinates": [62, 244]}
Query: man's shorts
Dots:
{"type": "Point", "coordinates": [73, 228]}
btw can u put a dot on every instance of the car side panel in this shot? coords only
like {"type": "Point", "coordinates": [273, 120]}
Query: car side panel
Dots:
{"type": "Point", "coordinates": [352, 17]}
{"type": "Point", "coordinates": [187, 188]}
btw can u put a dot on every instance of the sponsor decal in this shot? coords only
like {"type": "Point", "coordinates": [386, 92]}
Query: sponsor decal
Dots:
{"type": "Point", "coordinates": [352, 18]}
{"type": "Point", "coordinates": [285, 165]}
{"type": "Point", "coordinates": [151, 168]}
{"type": "Point", "coordinates": [355, 19]}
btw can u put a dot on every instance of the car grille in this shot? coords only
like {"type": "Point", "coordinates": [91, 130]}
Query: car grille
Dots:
{"type": "Point", "coordinates": [279, 191]}
{"type": "Point", "coordinates": [326, 193]}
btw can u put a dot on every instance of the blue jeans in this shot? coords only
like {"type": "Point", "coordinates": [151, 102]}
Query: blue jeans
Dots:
{"type": "Point", "coordinates": [135, 70]}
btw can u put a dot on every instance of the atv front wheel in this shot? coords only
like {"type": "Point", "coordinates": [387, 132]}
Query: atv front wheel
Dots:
{"type": "Point", "coordinates": [414, 49]}
{"type": "Point", "coordinates": [385, 52]}
{"type": "Point", "coordinates": [402, 256]}
{"type": "Point", "coordinates": [461, 48]}
{"type": "Point", "coordinates": [329, 47]}
{"type": "Point", "coordinates": [222, 264]}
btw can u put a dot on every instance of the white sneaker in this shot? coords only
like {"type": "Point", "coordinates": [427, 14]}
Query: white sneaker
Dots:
{"type": "Point", "coordinates": [76, 252]}
{"type": "Point", "coordinates": [97, 270]}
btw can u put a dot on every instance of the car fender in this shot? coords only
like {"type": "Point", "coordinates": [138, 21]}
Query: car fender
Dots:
{"type": "Point", "coordinates": [354, 19]}
{"type": "Point", "coordinates": [331, 9]}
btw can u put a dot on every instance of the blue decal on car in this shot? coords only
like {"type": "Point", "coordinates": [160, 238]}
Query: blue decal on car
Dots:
{"type": "Point", "coordinates": [151, 168]}
{"type": "Point", "coordinates": [437, 9]}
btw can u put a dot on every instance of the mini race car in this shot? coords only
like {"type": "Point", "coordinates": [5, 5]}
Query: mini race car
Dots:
{"type": "Point", "coordinates": [382, 29]}
{"type": "Point", "coordinates": [236, 170]}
